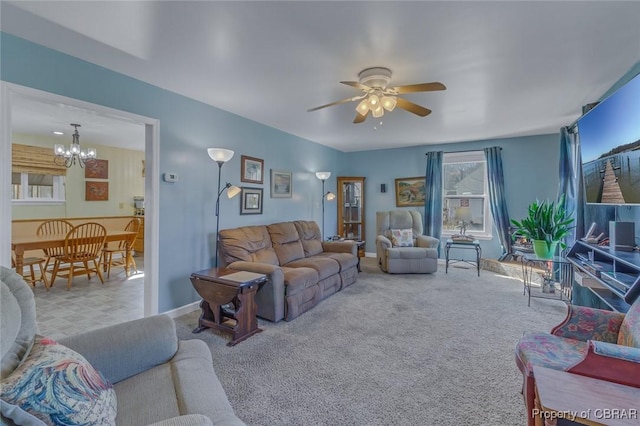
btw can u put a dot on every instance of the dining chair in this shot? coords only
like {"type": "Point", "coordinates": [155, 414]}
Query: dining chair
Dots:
{"type": "Point", "coordinates": [83, 244]}
{"type": "Point", "coordinates": [31, 277]}
{"type": "Point", "coordinates": [53, 227]}
{"type": "Point", "coordinates": [125, 249]}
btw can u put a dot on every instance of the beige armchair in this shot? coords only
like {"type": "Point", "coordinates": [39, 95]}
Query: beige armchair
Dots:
{"type": "Point", "coordinates": [401, 248]}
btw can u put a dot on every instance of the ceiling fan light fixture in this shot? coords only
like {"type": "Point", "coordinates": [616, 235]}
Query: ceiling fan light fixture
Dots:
{"type": "Point", "coordinates": [378, 112]}
{"type": "Point", "coordinates": [363, 107]}
{"type": "Point", "coordinates": [389, 103]}
{"type": "Point", "coordinates": [374, 101]}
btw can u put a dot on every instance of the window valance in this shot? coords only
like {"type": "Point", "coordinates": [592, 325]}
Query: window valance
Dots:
{"type": "Point", "coordinates": [35, 159]}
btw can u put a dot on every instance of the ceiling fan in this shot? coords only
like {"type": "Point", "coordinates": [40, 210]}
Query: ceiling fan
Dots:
{"type": "Point", "coordinates": [377, 97]}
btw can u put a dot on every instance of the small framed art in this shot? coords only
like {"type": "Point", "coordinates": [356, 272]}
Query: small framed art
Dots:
{"type": "Point", "coordinates": [96, 169]}
{"type": "Point", "coordinates": [251, 200]}
{"type": "Point", "coordinates": [251, 169]}
{"type": "Point", "coordinates": [281, 184]}
{"type": "Point", "coordinates": [96, 191]}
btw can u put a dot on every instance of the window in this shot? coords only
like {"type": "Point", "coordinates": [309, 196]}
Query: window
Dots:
{"type": "Point", "coordinates": [37, 187]}
{"type": "Point", "coordinates": [35, 178]}
{"type": "Point", "coordinates": [465, 194]}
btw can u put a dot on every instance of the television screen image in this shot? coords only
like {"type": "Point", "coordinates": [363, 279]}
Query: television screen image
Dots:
{"type": "Point", "coordinates": [609, 136]}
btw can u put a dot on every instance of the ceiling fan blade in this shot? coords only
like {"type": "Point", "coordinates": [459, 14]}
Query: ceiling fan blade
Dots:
{"type": "Point", "coordinates": [357, 85]}
{"type": "Point", "coordinates": [422, 87]}
{"type": "Point", "coordinates": [413, 108]}
{"type": "Point", "coordinates": [359, 118]}
{"type": "Point", "coordinates": [342, 101]}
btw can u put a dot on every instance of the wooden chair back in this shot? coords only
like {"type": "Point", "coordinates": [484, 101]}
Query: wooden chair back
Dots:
{"type": "Point", "coordinates": [132, 226]}
{"type": "Point", "coordinates": [54, 227]}
{"type": "Point", "coordinates": [84, 242]}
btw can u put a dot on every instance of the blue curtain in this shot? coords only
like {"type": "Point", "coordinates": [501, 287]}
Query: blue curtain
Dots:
{"type": "Point", "coordinates": [571, 184]}
{"type": "Point", "coordinates": [433, 202]}
{"type": "Point", "coordinates": [497, 200]}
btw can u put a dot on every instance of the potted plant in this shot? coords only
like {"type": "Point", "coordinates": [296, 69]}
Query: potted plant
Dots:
{"type": "Point", "coordinates": [547, 223]}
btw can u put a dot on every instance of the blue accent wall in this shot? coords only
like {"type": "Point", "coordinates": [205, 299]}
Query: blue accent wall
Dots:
{"type": "Point", "coordinates": [530, 170]}
{"type": "Point", "coordinates": [188, 127]}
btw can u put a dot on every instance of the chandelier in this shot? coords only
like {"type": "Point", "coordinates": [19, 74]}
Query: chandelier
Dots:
{"type": "Point", "coordinates": [74, 154]}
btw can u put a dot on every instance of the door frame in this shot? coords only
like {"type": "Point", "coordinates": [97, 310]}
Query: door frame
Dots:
{"type": "Point", "coordinates": [8, 92]}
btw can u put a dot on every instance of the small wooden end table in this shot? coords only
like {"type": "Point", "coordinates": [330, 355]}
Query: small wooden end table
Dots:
{"type": "Point", "coordinates": [584, 400]}
{"type": "Point", "coordinates": [228, 302]}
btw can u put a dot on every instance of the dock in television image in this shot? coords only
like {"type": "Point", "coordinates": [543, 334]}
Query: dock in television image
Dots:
{"type": "Point", "coordinates": [609, 138]}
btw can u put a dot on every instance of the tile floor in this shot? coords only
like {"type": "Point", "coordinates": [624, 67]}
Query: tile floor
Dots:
{"type": "Point", "coordinates": [89, 304]}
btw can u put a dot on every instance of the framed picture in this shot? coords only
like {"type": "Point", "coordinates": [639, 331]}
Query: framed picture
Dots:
{"type": "Point", "coordinates": [281, 184]}
{"type": "Point", "coordinates": [96, 169]}
{"type": "Point", "coordinates": [410, 191]}
{"type": "Point", "coordinates": [96, 191]}
{"type": "Point", "coordinates": [251, 200]}
{"type": "Point", "coordinates": [251, 169]}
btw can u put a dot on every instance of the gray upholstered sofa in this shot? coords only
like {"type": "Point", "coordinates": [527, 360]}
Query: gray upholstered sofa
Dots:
{"type": "Point", "coordinates": [157, 379]}
{"type": "Point", "coordinates": [419, 258]}
{"type": "Point", "coordinates": [302, 269]}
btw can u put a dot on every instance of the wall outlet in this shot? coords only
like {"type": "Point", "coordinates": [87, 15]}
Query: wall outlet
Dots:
{"type": "Point", "coordinates": [170, 177]}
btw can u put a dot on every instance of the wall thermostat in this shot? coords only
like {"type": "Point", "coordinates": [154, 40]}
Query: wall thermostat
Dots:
{"type": "Point", "coordinates": [170, 177]}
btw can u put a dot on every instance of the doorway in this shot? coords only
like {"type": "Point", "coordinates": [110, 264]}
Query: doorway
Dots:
{"type": "Point", "coordinates": [10, 95]}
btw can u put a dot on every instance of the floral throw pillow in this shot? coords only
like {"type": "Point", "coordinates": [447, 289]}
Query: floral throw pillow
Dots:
{"type": "Point", "coordinates": [402, 237]}
{"type": "Point", "coordinates": [58, 386]}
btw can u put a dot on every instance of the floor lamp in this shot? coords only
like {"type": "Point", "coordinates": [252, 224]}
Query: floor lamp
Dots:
{"type": "Point", "coordinates": [328, 195]}
{"type": "Point", "coordinates": [221, 156]}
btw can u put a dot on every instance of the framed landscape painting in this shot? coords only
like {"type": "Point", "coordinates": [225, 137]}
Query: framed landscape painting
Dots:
{"type": "Point", "coordinates": [281, 184]}
{"type": "Point", "coordinates": [410, 191]}
{"type": "Point", "coordinates": [251, 169]}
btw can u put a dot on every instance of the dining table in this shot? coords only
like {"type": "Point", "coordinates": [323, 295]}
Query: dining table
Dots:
{"type": "Point", "coordinates": [23, 243]}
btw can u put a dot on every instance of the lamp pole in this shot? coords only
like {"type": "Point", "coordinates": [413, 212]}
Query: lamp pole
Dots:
{"type": "Point", "coordinates": [323, 176]}
{"type": "Point", "coordinates": [220, 163]}
{"type": "Point", "coordinates": [221, 156]}
{"type": "Point", "coordinates": [323, 195]}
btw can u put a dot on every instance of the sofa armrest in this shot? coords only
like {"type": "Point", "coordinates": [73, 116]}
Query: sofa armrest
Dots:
{"type": "Point", "coordinates": [583, 323]}
{"type": "Point", "coordinates": [270, 296]}
{"type": "Point", "coordinates": [124, 350]}
{"type": "Point", "coordinates": [427, 241]}
{"type": "Point", "coordinates": [610, 362]}
{"type": "Point", "coordinates": [340, 247]}
{"type": "Point", "coordinates": [186, 420]}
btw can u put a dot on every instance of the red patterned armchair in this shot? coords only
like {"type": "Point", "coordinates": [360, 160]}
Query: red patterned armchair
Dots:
{"type": "Point", "coordinates": [590, 342]}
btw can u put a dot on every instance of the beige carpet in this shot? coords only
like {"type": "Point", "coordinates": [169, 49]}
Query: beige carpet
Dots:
{"type": "Point", "coordinates": [389, 350]}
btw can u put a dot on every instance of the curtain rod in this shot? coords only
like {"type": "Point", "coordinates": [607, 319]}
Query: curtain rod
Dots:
{"type": "Point", "coordinates": [465, 150]}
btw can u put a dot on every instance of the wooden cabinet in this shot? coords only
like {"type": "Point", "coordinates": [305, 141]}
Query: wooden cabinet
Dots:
{"type": "Point", "coordinates": [138, 246]}
{"type": "Point", "coordinates": [351, 219]}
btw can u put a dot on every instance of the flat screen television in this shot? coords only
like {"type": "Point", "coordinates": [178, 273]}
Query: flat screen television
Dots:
{"type": "Point", "coordinates": [609, 136]}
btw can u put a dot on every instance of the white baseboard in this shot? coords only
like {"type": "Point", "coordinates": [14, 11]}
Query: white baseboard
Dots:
{"type": "Point", "coordinates": [183, 310]}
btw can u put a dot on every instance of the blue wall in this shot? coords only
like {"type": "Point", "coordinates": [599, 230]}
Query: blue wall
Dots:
{"type": "Point", "coordinates": [530, 169]}
{"type": "Point", "coordinates": [188, 127]}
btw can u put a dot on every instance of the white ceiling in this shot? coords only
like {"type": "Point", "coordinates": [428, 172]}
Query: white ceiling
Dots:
{"type": "Point", "coordinates": [511, 68]}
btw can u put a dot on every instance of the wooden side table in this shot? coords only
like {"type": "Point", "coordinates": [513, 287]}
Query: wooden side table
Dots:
{"type": "Point", "coordinates": [228, 301]}
{"type": "Point", "coordinates": [584, 400]}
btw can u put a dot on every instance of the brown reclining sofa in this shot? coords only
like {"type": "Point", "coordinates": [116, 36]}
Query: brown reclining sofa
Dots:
{"type": "Point", "coordinates": [302, 269]}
